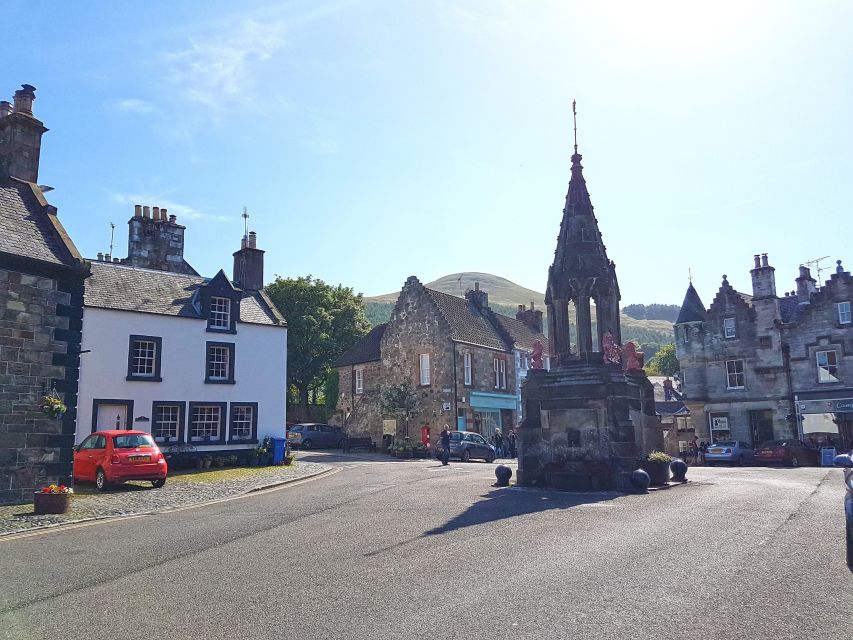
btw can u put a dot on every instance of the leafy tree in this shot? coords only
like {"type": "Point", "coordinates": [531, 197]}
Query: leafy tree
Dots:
{"type": "Point", "coordinates": [331, 390]}
{"type": "Point", "coordinates": [400, 399]}
{"type": "Point", "coordinates": [323, 321]}
{"type": "Point", "coordinates": [664, 363]}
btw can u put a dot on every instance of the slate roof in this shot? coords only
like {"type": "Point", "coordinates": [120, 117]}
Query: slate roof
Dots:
{"type": "Point", "coordinates": [28, 229]}
{"type": "Point", "coordinates": [789, 308]}
{"type": "Point", "coordinates": [522, 335]}
{"type": "Point", "coordinates": [365, 350]}
{"type": "Point", "coordinates": [692, 309]}
{"type": "Point", "coordinates": [672, 408]}
{"type": "Point", "coordinates": [467, 323]}
{"type": "Point", "coordinates": [126, 288]}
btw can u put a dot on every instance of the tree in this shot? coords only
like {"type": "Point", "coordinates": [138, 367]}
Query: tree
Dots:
{"type": "Point", "coordinates": [322, 322]}
{"type": "Point", "coordinates": [399, 399]}
{"type": "Point", "coordinates": [664, 363]}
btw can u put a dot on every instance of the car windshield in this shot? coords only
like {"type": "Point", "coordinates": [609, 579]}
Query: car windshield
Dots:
{"type": "Point", "coordinates": [726, 443]}
{"type": "Point", "coordinates": [297, 427]}
{"type": "Point", "coordinates": [132, 440]}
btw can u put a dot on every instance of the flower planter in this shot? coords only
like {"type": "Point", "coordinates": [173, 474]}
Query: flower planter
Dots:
{"type": "Point", "coordinates": [404, 454]}
{"type": "Point", "coordinates": [51, 502]}
{"type": "Point", "coordinates": [658, 471]}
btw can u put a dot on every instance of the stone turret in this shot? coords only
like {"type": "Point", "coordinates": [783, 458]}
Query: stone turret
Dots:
{"type": "Point", "coordinates": [20, 136]}
{"type": "Point", "coordinates": [156, 241]}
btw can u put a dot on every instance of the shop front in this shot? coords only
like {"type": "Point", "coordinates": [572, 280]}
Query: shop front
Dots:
{"type": "Point", "coordinates": [826, 422]}
{"type": "Point", "coordinates": [492, 411]}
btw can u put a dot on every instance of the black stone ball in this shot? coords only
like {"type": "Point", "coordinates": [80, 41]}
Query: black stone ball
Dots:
{"type": "Point", "coordinates": [503, 474]}
{"type": "Point", "coordinates": [640, 480]}
{"type": "Point", "coordinates": [679, 470]}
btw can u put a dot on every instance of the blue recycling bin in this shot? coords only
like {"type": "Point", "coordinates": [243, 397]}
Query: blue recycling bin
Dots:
{"type": "Point", "coordinates": [279, 446]}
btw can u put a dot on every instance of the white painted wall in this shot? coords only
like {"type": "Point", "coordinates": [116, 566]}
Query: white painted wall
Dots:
{"type": "Point", "coordinates": [260, 372]}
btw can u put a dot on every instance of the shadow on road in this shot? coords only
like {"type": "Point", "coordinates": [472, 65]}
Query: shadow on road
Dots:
{"type": "Point", "coordinates": [510, 502]}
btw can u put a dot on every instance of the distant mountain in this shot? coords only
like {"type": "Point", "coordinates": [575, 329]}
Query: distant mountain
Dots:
{"type": "Point", "coordinates": [505, 296]}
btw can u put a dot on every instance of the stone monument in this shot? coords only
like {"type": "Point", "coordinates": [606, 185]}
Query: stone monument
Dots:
{"type": "Point", "coordinates": [591, 415]}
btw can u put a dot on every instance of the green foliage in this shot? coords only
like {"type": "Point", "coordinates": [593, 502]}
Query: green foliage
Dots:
{"type": "Point", "coordinates": [665, 363]}
{"type": "Point", "coordinates": [659, 457]}
{"type": "Point", "coordinates": [331, 389]}
{"type": "Point", "coordinates": [398, 398]}
{"type": "Point", "coordinates": [378, 312]}
{"type": "Point", "coordinates": [323, 321]}
{"type": "Point", "coordinates": [668, 312]}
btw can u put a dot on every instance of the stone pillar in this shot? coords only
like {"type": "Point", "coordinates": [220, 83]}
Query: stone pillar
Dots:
{"type": "Point", "coordinates": [584, 325]}
{"type": "Point", "coordinates": [558, 319]}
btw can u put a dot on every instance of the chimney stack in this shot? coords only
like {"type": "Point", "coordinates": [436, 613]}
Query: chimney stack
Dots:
{"type": "Point", "coordinates": [531, 317]}
{"type": "Point", "coordinates": [20, 137]}
{"type": "Point", "coordinates": [249, 264]}
{"type": "Point", "coordinates": [763, 278]}
{"type": "Point", "coordinates": [478, 298]}
{"type": "Point", "coordinates": [154, 245]}
{"type": "Point", "coordinates": [806, 285]}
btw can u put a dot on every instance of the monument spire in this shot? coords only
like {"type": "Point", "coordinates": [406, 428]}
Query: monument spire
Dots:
{"type": "Point", "coordinates": [575, 119]}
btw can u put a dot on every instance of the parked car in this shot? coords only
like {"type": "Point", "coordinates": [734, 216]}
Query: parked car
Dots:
{"type": "Point", "coordinates": [731, 451]}
{"type": "Point", "coordinates": [468, 445]}
{"type": "Point", "coordinates": [793, 453]}
{"type": "Point", "coordinates": [315, 435]}
{"type": "Point", "coordinates": [111, 457]}
{"type": "Point", "coordinates": [846, 461]}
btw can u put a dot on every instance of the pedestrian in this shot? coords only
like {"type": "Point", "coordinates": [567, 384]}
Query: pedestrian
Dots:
{"type": "Point", "coordinates": [498, 441]}
{"type": "Point", "coordinates": [445, 445]}
{"type": "Point", "coordinates": [512, 444]}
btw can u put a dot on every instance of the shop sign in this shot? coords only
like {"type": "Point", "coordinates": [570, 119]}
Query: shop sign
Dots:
{"type": "Point", "coordinates": [844, 405]}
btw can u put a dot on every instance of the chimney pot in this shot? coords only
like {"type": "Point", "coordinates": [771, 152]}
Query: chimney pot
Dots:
{"type": "Point", "coordinates": [24, 99]}
{"type": "Point", "coordinates": [173, 218]}
{"type": "Point", "coordinates": [107, 257]}
{"type": "Point", "coordinates": [757, 259]}
{"type": "Point", "coordinates": [764, 260]}
{"type": "Point", "coordinates": [253, 240]}
{"type": "Point", "coordinates": [476, 286]}
{"type": "Point", "coordinates": [100, 257]}
{"type": "Point", "coordinates": [146, 212]}
{"type": "Point", "coordinates": [115, 260]}
{"type": "Point", "coordinates": [155, 213]}
{"type": "Point", "coordinates": [521, 307]}
{"type": "Point", "coordinates": [137, 211]}
{"type": "Point", "coordinates": [5, 108]}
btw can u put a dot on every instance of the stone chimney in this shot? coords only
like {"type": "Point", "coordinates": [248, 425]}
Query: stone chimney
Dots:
{"type": "Point", "coordinates": [249, 264]}
{"type": "Point", "coordinates": [763, 278]}
{"type": "Point", "coordinates": [156, 241]}
{"type": "Point", "coordinates": [478, 298]}
{"type": "Point", "coordinates": [806, 285]}
{"type": "Point", "coordinates": [531, 317]}
{"type": "Point", "coordinates": [20, 137]}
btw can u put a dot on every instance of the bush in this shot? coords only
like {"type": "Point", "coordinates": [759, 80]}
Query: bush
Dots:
{"type": "Point", "coordinates": [659, 457]}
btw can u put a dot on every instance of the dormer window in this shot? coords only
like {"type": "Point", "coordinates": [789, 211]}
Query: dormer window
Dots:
{"type": "Point", "coordinates": [220, 313]}
{"type": "Point", "coordinates": [729, 328]}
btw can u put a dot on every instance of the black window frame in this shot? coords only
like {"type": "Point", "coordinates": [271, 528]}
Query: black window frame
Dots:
{"type": "Point", "coordinates": [223, 422]}
{"type": "Point", "coordinates": [182, 419]}
{"type": "Point", "coordinates": [158, 356]}
{"type": "Point", "coordinates": [231, 346]}
{"type": "Point", "coordinates": [254, 437]}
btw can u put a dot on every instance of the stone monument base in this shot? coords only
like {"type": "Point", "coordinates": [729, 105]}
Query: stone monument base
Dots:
{"type": "Point", "coordinates": [579, 431]}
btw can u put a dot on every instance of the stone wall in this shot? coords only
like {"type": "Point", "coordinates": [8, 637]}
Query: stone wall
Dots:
{"type": "Point", "coordinates": [40, 324]}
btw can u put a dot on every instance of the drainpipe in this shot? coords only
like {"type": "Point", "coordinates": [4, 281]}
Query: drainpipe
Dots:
{"type": "Point", "coordinates": [455, 393]}
{"type": "Point", "coordinates": [794, 407]}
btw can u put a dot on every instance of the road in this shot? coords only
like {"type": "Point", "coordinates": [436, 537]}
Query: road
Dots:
{"type": "Point", "coordinates": [415, 550]}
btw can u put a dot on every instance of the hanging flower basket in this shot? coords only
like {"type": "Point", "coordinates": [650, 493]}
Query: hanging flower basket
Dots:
{"type": "Point", "coordinates": [52, 499]}
{"type": "Point", "coordinates": [52, 405]}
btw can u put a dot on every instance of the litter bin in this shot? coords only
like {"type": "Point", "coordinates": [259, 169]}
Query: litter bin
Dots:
{"type": "Point", "coordinates": [279, 445]}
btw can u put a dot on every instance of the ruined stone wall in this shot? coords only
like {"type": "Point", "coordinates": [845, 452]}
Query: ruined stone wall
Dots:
{"type": "Point", "coordinates": [40, 324]}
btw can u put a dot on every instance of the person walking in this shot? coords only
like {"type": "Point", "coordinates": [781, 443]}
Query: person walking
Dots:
{"type": "Point", "coordinates": [444, 438]}
{"type": "Point", "coordinates": [513, 452]}
{"type": "Point", "coordinates": [498, 441]}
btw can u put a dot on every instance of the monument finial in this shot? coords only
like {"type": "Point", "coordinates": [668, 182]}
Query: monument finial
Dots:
{"type": "Point", "coordinates": [575, 119]}
{"type": "Point", "coordinates": [690, 275]}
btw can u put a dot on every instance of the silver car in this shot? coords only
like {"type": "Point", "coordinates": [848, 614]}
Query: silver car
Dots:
{"type": "Point", "coordinates": [731, 451]}
{"type": "Point", "coordinates": [468, 445]}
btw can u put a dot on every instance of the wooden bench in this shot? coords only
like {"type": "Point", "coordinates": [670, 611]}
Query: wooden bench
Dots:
{"type": "Point", "coordinates": [358, 443]}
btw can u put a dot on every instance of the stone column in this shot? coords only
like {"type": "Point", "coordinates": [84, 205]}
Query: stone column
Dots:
{"type": "Point", "coordinates": [584, 325]}
{"type": "Point", "coordinates": [558, 315]}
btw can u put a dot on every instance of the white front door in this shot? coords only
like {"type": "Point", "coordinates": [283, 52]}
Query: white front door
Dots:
{"type": "Point", "coordinates": [112, 416]}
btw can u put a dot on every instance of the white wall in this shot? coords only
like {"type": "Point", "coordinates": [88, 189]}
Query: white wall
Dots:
{"type": "Point", "coordinates": [260, 372]}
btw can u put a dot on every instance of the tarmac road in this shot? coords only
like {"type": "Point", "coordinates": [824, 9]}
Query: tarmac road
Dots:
{"type": "Point", "coordinates": [415, 550]}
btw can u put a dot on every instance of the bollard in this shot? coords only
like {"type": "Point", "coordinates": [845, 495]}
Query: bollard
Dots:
{"type": "Point", "coordinates": [640, 480]}
{"type": "Point", "coordinates": [503, 474]}
{"type": "Point", "coordinates": [679, 470]}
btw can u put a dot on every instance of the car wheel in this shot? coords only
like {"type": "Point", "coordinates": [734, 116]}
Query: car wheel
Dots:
{"type": "Point", "coordinates": [740, 461]}
{"type": "Point", "coordinates": [101, 480]}
{"type": "Point", "coordinates": [490, 459]}
{"type": "Point", "coordinates": [306, 444]}
{"type": "Point", "coordinates": [466, 456]}
{"type": "Point", "coordinates": [158, 483]}
{"type": "Point", "coordinates": [794, 462]}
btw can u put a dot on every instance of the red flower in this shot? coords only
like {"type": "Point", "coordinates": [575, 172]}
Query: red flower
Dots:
{"type": "Point", "coordinates": [45, 490]}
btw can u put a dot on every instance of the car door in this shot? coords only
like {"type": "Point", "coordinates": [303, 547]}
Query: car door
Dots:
{"type": "Point", "coordinates": [328, 435]}
{"type": "Point", "coordinates": [84, 459]}
{"type": "Point", "coordinates": [482, 449]}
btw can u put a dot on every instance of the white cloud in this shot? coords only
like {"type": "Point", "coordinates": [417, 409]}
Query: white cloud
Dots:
{"type": "Point", "coordinates": [219, 71]}
{"type": "Point", "coordinates": [132, 105]}
{"type": "Point", "coordinates": [183, 211]}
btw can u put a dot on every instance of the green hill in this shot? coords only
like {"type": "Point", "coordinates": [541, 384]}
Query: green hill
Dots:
{"type": "Point", "coordinates": [504, 298]}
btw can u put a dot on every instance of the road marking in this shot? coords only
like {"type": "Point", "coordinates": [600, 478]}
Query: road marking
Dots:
{"type": "Point", "coordinates": [109, 519]}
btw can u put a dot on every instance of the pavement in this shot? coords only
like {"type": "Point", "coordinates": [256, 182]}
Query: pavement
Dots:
{"type": "Point", "coordinates": [181, 490]}
{"type": "Point", "coordinates": [411, 549]}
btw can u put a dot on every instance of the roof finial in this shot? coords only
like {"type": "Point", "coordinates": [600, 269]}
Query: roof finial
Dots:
{"type": "Point", "coordinates": [690, 275]}
{"type": "Point", "coordinates": [575, 118]}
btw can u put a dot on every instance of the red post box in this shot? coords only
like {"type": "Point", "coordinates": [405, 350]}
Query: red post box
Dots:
{"type": "Point", "coordinates": [425, 435]}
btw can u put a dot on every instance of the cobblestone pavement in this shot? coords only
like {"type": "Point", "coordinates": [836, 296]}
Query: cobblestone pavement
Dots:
{"type": "Point", "coordinates": [180, 490]}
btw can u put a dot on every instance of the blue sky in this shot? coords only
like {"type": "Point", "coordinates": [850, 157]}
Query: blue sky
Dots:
{"type": "Point", "coordinates": [378, 139]}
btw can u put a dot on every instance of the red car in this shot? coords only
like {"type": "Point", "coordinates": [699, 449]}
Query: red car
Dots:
{"type": "Point", "coordinates": [109, 457]}
{"type": "Point", "coordinates": [793, 453]}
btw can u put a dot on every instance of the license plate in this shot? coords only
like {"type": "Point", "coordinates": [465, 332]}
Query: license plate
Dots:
{"type": "Point", "coordinates": [715, 451]}
{"type": "Point", "coordinates": [139, 458]}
